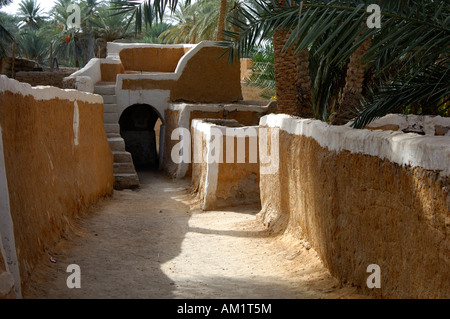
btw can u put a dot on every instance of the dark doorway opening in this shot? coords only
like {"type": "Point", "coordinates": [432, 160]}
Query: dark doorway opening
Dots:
{"type": "Point", "coordinates": [140, 128]}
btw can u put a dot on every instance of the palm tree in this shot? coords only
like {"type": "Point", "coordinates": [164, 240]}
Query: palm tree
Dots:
{"type": "Point", "coordinates": [149, 12]}
{"type": "Point", "coordinates": [347, 108]}
{"type": "Point", "coordinates": [89, 12]}
{"type": "Point", "coordinates": [263, 74]}
{"type": "Point", "coordinates": [30, 13]}
{"type": "Point", "coordinates": [34, 45]}
{"type": "Point", "coordinates": [291, 74]}
{"type": "Point", "coordinates": [108, 28]}
{"type": "Point", "coordinates": [7, 25]}
{"type": "Point", "coordinates": [183, 21]}
{"type": "Point", "coordinates": [153, 34]}
{"type": "Point", "coordinates": [408, 56]}
{"type": "Point", "coordinates": [60, 14]}
{"type": "Point", "coordinates": [146, 13]}
{"type": "Point", "coordinates": [193, 23]}
{"type": "Point", "coordinates": [285, 66]}
{"type": "Point", "coordinates": [4, 33]}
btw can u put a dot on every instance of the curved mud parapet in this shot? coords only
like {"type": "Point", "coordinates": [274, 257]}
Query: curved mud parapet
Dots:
{"type": "Point", "coordinates": [364, 198]}
{"type": "Point", "coordinates": [57, 163]}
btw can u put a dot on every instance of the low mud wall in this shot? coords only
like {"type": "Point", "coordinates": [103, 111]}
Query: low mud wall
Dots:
{"type": "Point", "coordinates": [43, 78]}
{"type": "Point", "coordinates": [225, 169]}
{"type": "Point", "coordinates": [180, 116]}
{"type": "Point", "coordinates": [363, 198]}
{"type": "Point", "coordinates": [57, 163]}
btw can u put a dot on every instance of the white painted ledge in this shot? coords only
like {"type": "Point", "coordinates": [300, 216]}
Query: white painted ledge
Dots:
{"type": "Point", "coordinates": [426, 124]}
{"type": "Point", "coordinates": [428, 152]}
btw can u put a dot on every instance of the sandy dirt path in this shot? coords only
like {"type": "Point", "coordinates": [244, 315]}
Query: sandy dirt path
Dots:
{"type": "Point", "coordinates": [156, 243]}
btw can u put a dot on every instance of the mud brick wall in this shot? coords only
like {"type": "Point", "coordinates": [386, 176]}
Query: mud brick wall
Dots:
{"type": "Point", "coordinates": [182, 115]}
{"type": "Point", "coordinates": [57, 162]}
{"type": "Point", "coordinates": [227, 182]}
{"type": "Point", "coordinates": [361, 198]}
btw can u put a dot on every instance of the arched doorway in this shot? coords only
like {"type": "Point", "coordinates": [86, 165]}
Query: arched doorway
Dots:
{"type": "Point", "coordinates": [141, 127]}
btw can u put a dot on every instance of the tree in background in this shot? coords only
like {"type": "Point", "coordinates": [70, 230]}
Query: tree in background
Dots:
{"type": "Point", "coordinates": [31, 14]}
{"type": "Point", "coordinates": [108, 27]}
{"type": "Point", "coordinates": [194, 23]}
{"type": "Point", "coordinates": [146, 13]}
{"type": "Point", "coordinates": [8, 27]}
{"type": "Point", "coordinates": [405, 62]}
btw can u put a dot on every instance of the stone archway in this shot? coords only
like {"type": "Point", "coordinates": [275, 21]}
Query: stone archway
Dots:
{"type": "Point", "coordinates": [142, 127]}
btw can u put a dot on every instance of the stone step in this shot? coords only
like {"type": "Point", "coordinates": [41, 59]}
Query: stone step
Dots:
{"type": "Point", "coordinates": [113, 135]}
{"type": "Point", "coordinates": [126, 181]}
{"type": "Point", "coordinates": [110, 118]}
{"type": "Point", "coordinates": [110, 108]}
{"type": "Point", "coordinates": [124, 168]}
{"type": "Point", "coordinates": [122, 157]}
{"type": "Point", "coordinates": [105, 89]}
{"type": "Point", "coordinates": [116, 144]}
{"type": "Point", "coordinates": [109, 99]}
{"type": "Point", "coordinates": [112, 128]}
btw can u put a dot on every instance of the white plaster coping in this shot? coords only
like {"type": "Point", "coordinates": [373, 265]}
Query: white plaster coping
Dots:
{"type": "Point", "coordinates": [426, 123]}
{"type": "Point", "coordinates": [114, 48]}
{"type": "Point", "coordinates": [7, 240]}
{"type": "Point", "coordinates": [158, 99]}
{"type": "Point", "coordinates": [185, 116]}
{"type": "Point", "coordinates": [110, 60]}
{"type": "Point", "coordinates": [87, 77]}
{"type": "Point", "coordinates": [92, 70]}
{"type": "Point", "coordinates": [212, 167]}
{"type": "Point", "coordinates": [46, 93]}
{"type": "Point", "coordinates": [431, 153]}
{"type": "Point", "coordinates": [84, 84]}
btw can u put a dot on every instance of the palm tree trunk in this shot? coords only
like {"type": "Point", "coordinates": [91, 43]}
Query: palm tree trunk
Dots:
{"type": "Point", "coordinates": [292, 77]}
{"type": "Point", "coordinates": [222, 16]}
{"type": "Point", "coordinates": [354, 81]}
{"type": "Point", "coordinates": [285, 66]}
{"type": "Point", "coordinates": [304, 101]}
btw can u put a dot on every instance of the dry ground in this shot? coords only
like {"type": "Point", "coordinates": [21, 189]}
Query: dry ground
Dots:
{"type": "Point", "coordinates": [156, 243]}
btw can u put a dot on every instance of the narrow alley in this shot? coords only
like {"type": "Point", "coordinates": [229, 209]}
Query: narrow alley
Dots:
{"type": "Point", "coordinates": [155, 243]}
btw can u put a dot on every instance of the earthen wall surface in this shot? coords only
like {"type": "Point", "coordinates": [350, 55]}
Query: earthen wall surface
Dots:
{"type": "Point", "coordinates": [57, 162]}
{"type": "Point", "coordinates": [358, 209]}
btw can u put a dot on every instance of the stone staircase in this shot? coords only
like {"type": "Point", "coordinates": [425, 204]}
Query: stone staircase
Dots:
{"type": "Point", "coordinates": [125, 175]}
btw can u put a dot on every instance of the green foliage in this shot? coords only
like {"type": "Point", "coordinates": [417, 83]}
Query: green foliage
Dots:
{"type": "Point", "coordinates": [403, 57]}
{"type": "Point", "coordinates": [263, 74]}
{"type": "Point", "coordinates": [8, 33]}
{"type": "Point", "coordinates": [30, 13]}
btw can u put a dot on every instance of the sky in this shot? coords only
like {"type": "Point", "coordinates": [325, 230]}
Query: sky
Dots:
{"type": "Point", "coordinates": [46, 5]}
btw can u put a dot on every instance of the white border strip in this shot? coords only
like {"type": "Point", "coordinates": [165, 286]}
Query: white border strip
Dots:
{"type": "Point", "coordinates": [46, 93]}
{"type": "Point", "coordinates": [431, 153]}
